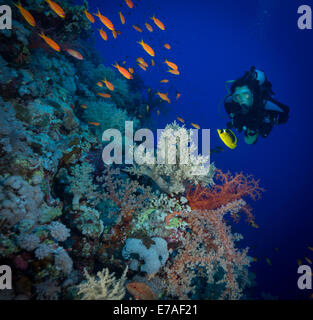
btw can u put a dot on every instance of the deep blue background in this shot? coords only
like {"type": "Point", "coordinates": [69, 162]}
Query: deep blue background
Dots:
{"type": "Point", "coordinates": [215, 41]}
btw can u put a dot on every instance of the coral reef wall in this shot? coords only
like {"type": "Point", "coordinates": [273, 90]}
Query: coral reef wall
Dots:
{"type": "Point", "coordinates": [65, 217]}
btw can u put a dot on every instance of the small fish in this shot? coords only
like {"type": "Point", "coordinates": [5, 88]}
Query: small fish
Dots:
{"type": "Point", "coordinates": [148, 26]}
{"type": "Point", "coordinates": [105, 20]}
{"type": "Point", "coordinates": [176, 72]}
{"type": "Point", "coordinates": [308, 260]}
{"type": "Point", "coordinates": [164, 96]}
{"type": "Point", "coordinates": [100, 84]}
{"type": "Point", "coordinates": [123, 71]}
{"type": "Point", "coordinates": [74, 54]}
{"type": "Point", "coordinates": [104, 95]}
{"type": "Point", "coordinates": [142, 61]}
{"type": "Point", "coordinates": [195, 125]}
{"type": "Point", "coordinates": [299, 261]}
{"type": "Point", "coordinates": [172, 65]}
{"type": "Point", "coordinates": [181, 119]}
{"type": "Point", "coordinates": [50, 42]}
{"type": "Point", "coordinates": [103, 34]}
{"type": "Point", "coordinates": [310, 248]}
{"type": "Point", "coordinates": [178, 96]}
{"type": "Point", "coordinates": [167, 46]}
{"type": "Point", "coordinates": [164, 81]}
{"type": "Point", "coordinates": [108, 84]}
{"type": "Point", "coordinates": [147, 108]}
{"type": "Point", "coordinates": [147, 48]}
{"type": "Point", "coordinates": [158, 112]}
{"type": "Point", "coordinates": [268, 261]}
{"type": "Point", "coordinates": [228, 137]}
{"type": "Point", "coordinates": [142, 66]}
{"type": "Point", "coordinates": [158, 23]}
{"type": "Point", "coordinates": [84, 106]}
{"type": "Point", "coordinates": [131, 70]}
{"type": "Point", "coordinates": [89, 16]}
{"type": "Point", "coordinates": [152, 63]}
{"type": "Point", "coordinates": [26, 14]}
{"type": "Point", "coordinates": [118, 32]}
{"type": "Point", "coordinates": [140, 291]}
{"type": "Point", "coordinates": [122, 17]}
{"type": "Point", "coordinates": [129, 3]}
{"type": "Point", "coordinates": [94, 123]}
{"type": "Point", "coordinates": [137, 28]}
{"type": "Point", "coordinates": [114, 34]}
{"type": "Point", "coordinates": [254, 225]}
{"type": "Point", "coordinates": [56, 8]}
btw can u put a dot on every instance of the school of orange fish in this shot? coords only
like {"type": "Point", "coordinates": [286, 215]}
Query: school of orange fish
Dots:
{"type": "Point", "coordinates": [127, 73]}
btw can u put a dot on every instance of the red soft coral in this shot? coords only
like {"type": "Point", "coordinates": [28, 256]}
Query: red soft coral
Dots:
{"type": "Point", "coordinates": [227, 189]}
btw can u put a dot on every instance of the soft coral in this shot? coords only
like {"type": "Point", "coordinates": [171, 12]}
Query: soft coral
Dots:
{"type": "Point", "coordinates": [227, 189]}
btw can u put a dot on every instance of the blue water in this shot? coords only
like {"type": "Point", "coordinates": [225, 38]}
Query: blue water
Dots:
{"type": "Point", "coordinates": [215, 41]}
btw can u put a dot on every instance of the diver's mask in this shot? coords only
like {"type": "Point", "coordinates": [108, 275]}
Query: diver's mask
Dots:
{"type": "Point", "coordinates": [243, 96]}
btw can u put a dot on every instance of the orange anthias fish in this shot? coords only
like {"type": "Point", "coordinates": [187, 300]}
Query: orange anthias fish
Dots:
{"type": "Point", "coordinates": [105, 20]}
{"type": "Point", "coordinates": [142, 66]}
{"type": "Point", "coordinates": [129, 3]}
{"type": "Point", "coordinates": [167, 46]}
{"type": "Point", "coordinates": [123, 71]}
{"type": "Point", "coordinates": [195, 125]}
{"type": "Point", "coordinates": [84, 106]}
{"type": "Point", "coordinates": [140, 291]}
{"type": "Point", "coordinates": [178, 96]}
{"type": "Point", "coordinates": [310, 248]}
{"type": "Point", "coordinates": [103, 34]}
{"type": "Point", "coordinates": [94, 123]}
{"type": "Point", "coordinates": [158, 23]}
{"type": "Point", "coordinates": [172, 65]}
{"type": "Point", "coordinates": [108, 84]}
{"type": "Point", "coordinates": [308, 260]}
{"type": "Point", "coordinates": [137, 28]}
{"type": "Point", "coordinates": [152, 63]}
{"type": "Point", "coordinates": [114, 34]}
{"type": "Point", "coordinates": [142, 61]}
{"type": "Point", "coordinates": [147, 48]}
{"type": "Point", "coordinates": [173, 71]}
{"type": "Point", "coordinates": [56, 8]}
{"type": "Point", "coordinates": [148, 26]}
{"type": "Point", "coordinates": [104, 95]}
{"type": "Point", "coordinates": [164, 96]}
{"type": "Point", "coordinates": [181, 119]}
{"type": "Point", "coordinates": [26, 14]}
{"type": "Point", "coordinates": [164, 81]}
{"type": "Point", "coordinates": [99, 84]}
{"type": "Point", "coordinates": [50, 42]}
{"type": "Point", "coordinates": [74, 54]}
{"type": "Point", "coordinates": [122, 17]}
{"type": "Point", "coordinates": [89, 16]}
{"type": "Point", "coordinates": [131, 70]}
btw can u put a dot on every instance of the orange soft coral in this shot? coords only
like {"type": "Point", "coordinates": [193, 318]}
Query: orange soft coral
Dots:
{"type": "Point", "coordinates": [228, 188]}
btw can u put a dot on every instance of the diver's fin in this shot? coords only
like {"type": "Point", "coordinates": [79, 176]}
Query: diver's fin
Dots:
{"type": "Point", "coordinates": [272, 107]}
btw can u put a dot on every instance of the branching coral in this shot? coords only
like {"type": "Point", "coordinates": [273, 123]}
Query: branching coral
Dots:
{"type": "Point", "coordinates": [176, 163]}
{"type": "Point", "coordinates": [104, 287]}
{"type": "Point", "coordinates": [229, 188]}
{"type": "Point", "coordinates": [209, 246]}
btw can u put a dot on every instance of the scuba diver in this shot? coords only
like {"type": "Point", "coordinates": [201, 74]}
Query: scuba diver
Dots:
{"type": "Point", "coordinates": [251, 107]}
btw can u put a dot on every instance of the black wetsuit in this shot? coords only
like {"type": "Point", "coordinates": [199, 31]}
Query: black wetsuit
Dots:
{"type": "Point", "coordinates": [260, 118]}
